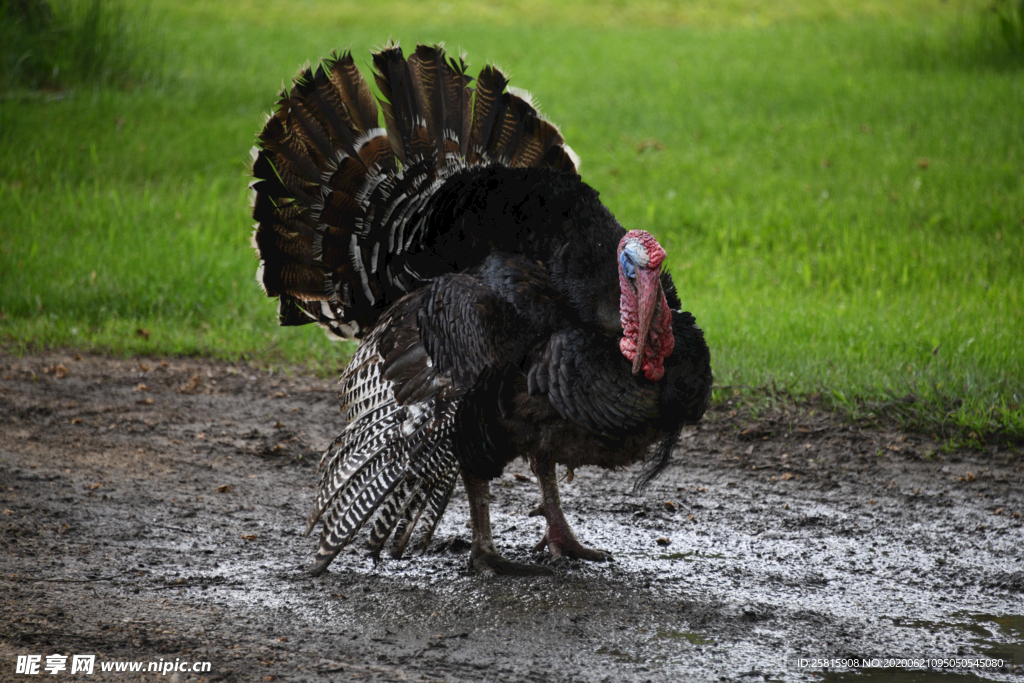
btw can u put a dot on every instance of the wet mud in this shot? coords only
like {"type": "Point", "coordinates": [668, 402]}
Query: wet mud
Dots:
{"type": "Point", "coordinates": [153, 511]}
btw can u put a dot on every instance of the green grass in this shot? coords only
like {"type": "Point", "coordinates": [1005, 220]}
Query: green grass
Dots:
{"type": "Point", "coordinates": [839, 186]}
{"type": "Point", "coordinates": [59, 44]}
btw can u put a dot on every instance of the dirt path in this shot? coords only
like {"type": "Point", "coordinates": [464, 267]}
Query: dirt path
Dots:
{"type": "Point", "coordinates": [153, 511]}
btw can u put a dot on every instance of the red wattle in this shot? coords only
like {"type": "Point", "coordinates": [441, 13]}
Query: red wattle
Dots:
{"type": "Point", "coordinates": [660, 340]}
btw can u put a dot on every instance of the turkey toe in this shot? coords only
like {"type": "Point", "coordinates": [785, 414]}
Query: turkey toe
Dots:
{"type": "Point", "coordinates": [573, 549]}
{"type": "Point", "coordinates": [494, 564]}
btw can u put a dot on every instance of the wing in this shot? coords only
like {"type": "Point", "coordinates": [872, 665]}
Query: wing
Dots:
{"type": "Point", "coordinates": [421, 397]}
{"type": "Point", "coordinates": [590, 383]}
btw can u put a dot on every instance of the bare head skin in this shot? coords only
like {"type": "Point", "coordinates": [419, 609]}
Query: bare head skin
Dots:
{"type": "Point", "coordinates": [646, 319]}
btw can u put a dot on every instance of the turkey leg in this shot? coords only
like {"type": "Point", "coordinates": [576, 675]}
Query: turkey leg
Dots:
{"type": "Point", "coordinates": [559, 537]}
{"type": "Point", "coordinates": [484, 556]}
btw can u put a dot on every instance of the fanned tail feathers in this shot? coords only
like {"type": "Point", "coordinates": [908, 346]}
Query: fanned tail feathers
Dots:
{"type": "Point", "coordinates": [338, 200]}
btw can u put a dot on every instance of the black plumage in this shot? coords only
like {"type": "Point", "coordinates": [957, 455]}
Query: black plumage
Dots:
{"type": "Point", "coordinates": [499, 303]}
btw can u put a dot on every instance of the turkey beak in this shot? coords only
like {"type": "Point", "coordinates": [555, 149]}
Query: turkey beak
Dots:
{"type": "Point", "coordinates": [648, 294]}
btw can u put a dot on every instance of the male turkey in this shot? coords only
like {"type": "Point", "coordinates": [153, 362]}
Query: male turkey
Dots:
{"type": "Point", "coordinates": [503, 311]}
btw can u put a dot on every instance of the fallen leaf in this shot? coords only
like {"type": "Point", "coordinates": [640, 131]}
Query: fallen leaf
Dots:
{"type": "Point", "coordinates": [191, 386]}
{"type": "Point", "coordinates": [76, 421]}
{"type": "Point", "coordinates": [923, 163]}
{"type": "Point", "coordinates": [225, 488]}
{"type": "Point", "coordinates": [999, 511]}
{"type": "Point", "coordinates": [670, 506]}
{"type": "Point", "coordinates": [787, 476]}
{"type": "Point", "coordinates": [140, 387]}
{"type": "Point", "coordinates": [249, 537]}
{"type": "Point", "coordinates": [650, 143]}
{"type": "Point", "coordinates": [92, 487]}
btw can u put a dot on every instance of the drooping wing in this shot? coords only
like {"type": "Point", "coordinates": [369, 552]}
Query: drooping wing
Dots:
{"type": "Point", "coordinates": [421, 398]}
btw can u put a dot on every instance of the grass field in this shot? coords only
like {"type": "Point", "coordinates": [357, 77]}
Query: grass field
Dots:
{"type": "Point", "coordinates": [840, 186]}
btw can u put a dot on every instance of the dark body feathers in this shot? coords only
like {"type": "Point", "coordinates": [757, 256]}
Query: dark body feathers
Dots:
{"type": "Point", "coordinates": [480, 273]}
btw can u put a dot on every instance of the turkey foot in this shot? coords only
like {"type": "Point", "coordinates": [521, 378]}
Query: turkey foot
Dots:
{"type": "Point", "coordinates": [570, 547]}
{"type": "Point", "coordinates": [483, 556]}
{"type": "Point", "coordinates": [488, 561]}
{"type": "Point", "coordinates": [559, 537]}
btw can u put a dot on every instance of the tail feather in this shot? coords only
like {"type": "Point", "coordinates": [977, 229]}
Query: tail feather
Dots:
{"type": "Point", "coordinates": [445, 95]}
{"type": "Point", "coordinates": [401, 104]}
{"type": "Point", "coordinates": [351, 87]}
{"type": "Point", "coordinates": [309, 130]}
{"type": "Point", "coordinates": [344, 100]}
{"type": "Point", "coordinates": [488, 110]}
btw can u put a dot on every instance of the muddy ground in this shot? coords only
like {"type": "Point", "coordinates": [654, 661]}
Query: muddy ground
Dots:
{"type": "Point", "coordinates": [152, 510]}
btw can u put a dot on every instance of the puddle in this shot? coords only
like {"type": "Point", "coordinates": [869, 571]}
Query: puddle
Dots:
{"type": "Point", "coordinates": [1001, 636]}
{"type": "Point", "coordinates": [691, 555]}
{"type": "Point", "coordinates": [619, 655]}
{"type": "Point", "coordinates": [995, 636]}
{"type": "Point", "coordinates": [693, 638]}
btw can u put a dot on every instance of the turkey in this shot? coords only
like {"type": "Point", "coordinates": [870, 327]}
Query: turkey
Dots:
{"type": "Point", "coordinates": [502, 310]}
